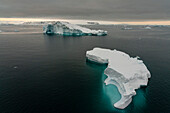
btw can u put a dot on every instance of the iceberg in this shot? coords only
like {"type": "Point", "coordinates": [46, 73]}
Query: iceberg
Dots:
{"type": "Point", "coordinates": [147, 27]}
{"type": "Point", "coordinates": [16, 30]}
{"type": "Point", "coordinates": [68, 29]}
{"type": "Point", "coordinates": [127, 28]}
{"type": "Point", "coordinates": [125, 72]}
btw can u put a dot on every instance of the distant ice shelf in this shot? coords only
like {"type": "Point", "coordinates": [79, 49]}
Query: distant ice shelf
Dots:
{"type": "Point", "coordinates": [93, 23]}
{"type": "Point", "coordinates": [68, 29]}
{"type": "Point", "coordinates": [123, 71]}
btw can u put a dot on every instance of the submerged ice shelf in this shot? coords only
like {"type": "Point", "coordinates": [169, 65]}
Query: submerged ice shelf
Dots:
{"type": "Point", "coordinates": [68, 29]}
{"type": "Point", "coordinates": [123, 71]}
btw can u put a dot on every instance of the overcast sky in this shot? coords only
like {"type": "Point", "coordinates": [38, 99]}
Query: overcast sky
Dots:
{"type": "Point", "coordinates": [113, 10]}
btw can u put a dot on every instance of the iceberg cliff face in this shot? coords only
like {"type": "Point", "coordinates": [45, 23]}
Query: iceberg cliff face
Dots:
{"type": "Point", "coordinates": [123, 71]}
{"type": "Point", "coordinates": [67, 29]}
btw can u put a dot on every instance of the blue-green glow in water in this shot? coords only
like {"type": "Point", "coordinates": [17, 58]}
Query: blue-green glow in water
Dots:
{"type": "Point", "coordinates": [111, 94]}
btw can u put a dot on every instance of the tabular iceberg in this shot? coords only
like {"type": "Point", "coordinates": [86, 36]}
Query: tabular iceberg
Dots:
{"type": "Point", "coordinates": [123, 71]}
{"type": "Point", "coordinates": [67, 29]}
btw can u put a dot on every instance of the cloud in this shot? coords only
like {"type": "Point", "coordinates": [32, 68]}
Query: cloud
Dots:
{"type": "Point", "coordinates": [88, 9]}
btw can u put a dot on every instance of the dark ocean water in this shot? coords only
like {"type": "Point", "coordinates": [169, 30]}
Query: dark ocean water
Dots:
{"type": "Point", "coordinates": [50, 74]}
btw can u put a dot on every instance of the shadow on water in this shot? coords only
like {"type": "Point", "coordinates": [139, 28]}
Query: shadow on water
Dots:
{"type": "Point", "coordinates": [111, 94]}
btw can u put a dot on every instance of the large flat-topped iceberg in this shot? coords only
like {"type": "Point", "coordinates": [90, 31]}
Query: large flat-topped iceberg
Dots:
{"type": "Point", "coordinates": [68, 29]}
{"type": "Point", "coordinates": [125, 72]}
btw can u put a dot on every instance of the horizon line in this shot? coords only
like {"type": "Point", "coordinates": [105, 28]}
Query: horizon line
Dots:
{"type": "Point", "coordinates": [80, 21]}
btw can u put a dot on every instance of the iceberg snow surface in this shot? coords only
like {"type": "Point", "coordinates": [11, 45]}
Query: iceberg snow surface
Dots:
{"type": "Point", "coordinates": [68, 29]}
{"type": "Point", "coordinates": [123, 71]}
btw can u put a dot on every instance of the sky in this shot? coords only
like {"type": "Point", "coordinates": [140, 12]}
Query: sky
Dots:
{"type": "Point", "coordinates": [104, 10]}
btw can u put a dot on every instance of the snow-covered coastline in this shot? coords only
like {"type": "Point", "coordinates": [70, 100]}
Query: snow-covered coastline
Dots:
{"type": "Point", "coordinates": [123, 71]}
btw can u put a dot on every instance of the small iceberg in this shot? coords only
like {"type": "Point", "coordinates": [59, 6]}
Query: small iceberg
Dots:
{"type": "Point", "coordinates": [123, 71]}
{"type": "Point", "coordinates": [15, 67]}
{"type": "Point", "coordinates": [16, 30]}
{"type": "Point", "coordinates": [147, 27]}
{"type": "Point", "coordinates": [127, 28]}
{"type": "Point", "coordinates": [67, 29]}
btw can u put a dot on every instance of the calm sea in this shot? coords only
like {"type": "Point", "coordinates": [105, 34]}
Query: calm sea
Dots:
{"type": "Point", "coordinates": [50, 74]}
